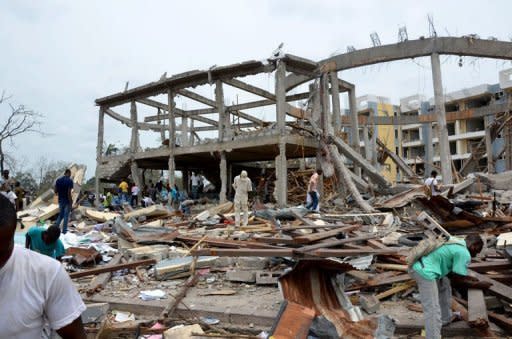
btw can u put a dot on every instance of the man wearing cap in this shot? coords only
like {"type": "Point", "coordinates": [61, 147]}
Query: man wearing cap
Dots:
{"type": "Point", "coordinates": [242, 185]}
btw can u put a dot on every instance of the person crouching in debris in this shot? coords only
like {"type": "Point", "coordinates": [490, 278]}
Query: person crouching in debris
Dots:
{"type": "Point", "coordinates": [433, 273]}
{"type": "Point", "coordinates": [45, 241]}
{"type": "Point", "coordinates": [36, 290]}
{"type": "Point", "coordinates": [313, 191]}
{"type": "Point", "coordinates": [242, 185]}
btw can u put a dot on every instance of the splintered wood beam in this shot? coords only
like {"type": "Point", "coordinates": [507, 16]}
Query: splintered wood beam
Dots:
{"type": "Point", "coordinates": [179, 112]}
{"type": "Point", "coordinates": [498, 289]}
{"type": "Point", "coordinates": [112, 268]}
{"type": "Point", "coordinates": [197, 97]}
{"type": "Point", "coordinates": [250, 88]}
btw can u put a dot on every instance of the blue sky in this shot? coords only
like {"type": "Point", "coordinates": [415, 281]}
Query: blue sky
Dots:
{"type": "Point", "coordinates": [58, 56]}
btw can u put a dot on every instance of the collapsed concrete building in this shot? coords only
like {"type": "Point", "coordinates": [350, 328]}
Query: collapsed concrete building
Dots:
{"type": "Point", "coordinates": [297, 131]}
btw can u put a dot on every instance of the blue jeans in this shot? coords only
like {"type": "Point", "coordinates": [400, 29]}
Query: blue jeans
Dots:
{"type": "Point", "coordinates": [314, 201]}
{"type": "Point", "coordinates": [64, 209]}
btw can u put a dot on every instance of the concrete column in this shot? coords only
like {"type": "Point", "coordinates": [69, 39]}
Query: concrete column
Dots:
{"type": "Point", "coordinates": [367, 145]}
{"type": "Point", "coordinates": [326, 114]}
{"type": "Point", "coordinates": [354, 126]}
{"type": "Point", "coordinates": [281, 164]}
{"type": "Point", "coordinates": [374, 145]}
{"type": "Point", "coordinates": [184, 131]}
{"type": "Point", "coordinates": [281, 96]}
{"type": "Point", "coordinates": [172, 137]}
{"type": "Point", "coordinates": [162, 131]}
{"type": "Point", "coordinates": [191, 129]}
{"type": "Point", "coordinates": [134, 141]}
{"type": "Point", "coordinates": [219, 100]}
{"type": "Point", "coordinates": [99, 152]}
{"type": "Point", "coordinates": [336, 108]}
{"type": "Point", "coordinates": [442, 131]}
{"type": "Point", "coordinates": [488, 145]}
{"type": "Point", "coordinates": [429, 150]}
{"type": "Point", "coordinates": [135, 172]}
{"type": "Point", "coordinates": [223, 177]}
{"type": "Point", "coordinates": [315, 105]}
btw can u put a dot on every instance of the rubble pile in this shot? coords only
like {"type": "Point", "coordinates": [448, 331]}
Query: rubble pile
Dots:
{"type": "Point", "coordinates": [154, 272]}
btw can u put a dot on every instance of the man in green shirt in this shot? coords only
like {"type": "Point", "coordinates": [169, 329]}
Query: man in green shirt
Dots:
{"type": "Point", "coordinates": [433, 272]}
{"type": "Point", "coordinates": [45, 241]}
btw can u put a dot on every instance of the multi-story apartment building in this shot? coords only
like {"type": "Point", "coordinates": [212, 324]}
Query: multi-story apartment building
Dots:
{"type": "Point", "coordinates": [478, 123]}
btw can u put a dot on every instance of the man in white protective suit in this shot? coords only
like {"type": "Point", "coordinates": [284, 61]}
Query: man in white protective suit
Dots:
{"type": "Point", "coordinates": [242, 185]}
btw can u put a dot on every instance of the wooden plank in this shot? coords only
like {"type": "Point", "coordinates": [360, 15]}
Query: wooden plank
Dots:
{"type": "Point", "coordinates": [288, 252]}
{"type": "Point", "coordinates": [335, 243]}
{"type": "Point", "coordinates": [498, 289]}
{"type": "Point", "coordinates": [490, 266]}
{"type": "Point", "coordinates": [309, 238]}
{"type": "Point", "coordinates": [477, 309]}
{"type": "Point", "coordinates": [112, 268]}
{"type": "Point", "coordinates": [395, 290]}
{"type": "Point", "coordinates": [99, 281]}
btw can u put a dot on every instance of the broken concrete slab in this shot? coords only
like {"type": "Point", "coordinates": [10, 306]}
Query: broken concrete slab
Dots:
{"type": "Point", "coordinates": [151, 211]}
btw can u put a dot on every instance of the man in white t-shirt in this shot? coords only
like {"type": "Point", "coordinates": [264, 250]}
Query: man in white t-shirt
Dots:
{"type": "Point", "coordinates": [36, 291]}
{"type": "Point", "coordinates": [432, 184]}
{"type": "Point", "coordinates": [242, 185]}
{"type": "Point", "coordinates": [195, 180]}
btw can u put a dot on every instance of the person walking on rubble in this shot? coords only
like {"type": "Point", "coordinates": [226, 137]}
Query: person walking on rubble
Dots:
{"type": "Point", "coordinates": [37, 293]}
{"type": "Point", "coordinates": [63, 187]}
{"type": "Point", "coordinates": [313, 191]}
{"type": "Point", "coordinates": [433, 273]}
{"type": "Point", "coordinates": [432, 185]}
{"type": "Point", "coordinates": [242, 185]}
{"type": "Point", "coordinates": [123, 189]}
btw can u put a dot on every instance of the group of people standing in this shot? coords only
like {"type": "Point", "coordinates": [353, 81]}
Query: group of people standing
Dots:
{"type": "Point", "coordinates": [12, 190]}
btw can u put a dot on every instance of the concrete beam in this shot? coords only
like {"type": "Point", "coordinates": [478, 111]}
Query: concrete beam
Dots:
{"type": "Point", "coordinates": [177, 111]}
{"type": "Point", "coordinates": [411, 49]}
{"type": "Point", "coordinates": [250, 88]}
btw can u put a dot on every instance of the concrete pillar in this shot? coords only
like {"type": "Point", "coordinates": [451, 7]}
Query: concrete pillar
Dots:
{"type": "Point", "coordinates": [159, 122]}
{"type": "Point", "coordinates": [367, 145]}
{"type": "Point", "coordinates": [315, 105]}
{"type": "Point", "coordinates": [326, 114]}
{"type": "Point", "coordinates": [374, 145]}
{"type": "Point", "coordinates": [99, 152]}
{"type": "Point", "coordinates": [172, 137]}
{"type": "Point", "coordinates": [184, 131]}
{"type": "Point", "coordinates": [442, 131]}
{"type": "Point", "coordinates": [429, 150]}
{"type": "Point", "coordinates": [281, 164]}
{"type": "Point", "coordinates": [223, 177]}
{"type": "Point", "coordinates": [135, 172]}
{"type": "Point", "coordinates": [336, 107]}
{"type": "Point", "coordinates": [354, 125]}
{"type": "Point", "coordinates": [134, 141]}
{"type": "Point", "coordinates": [488, 145]}
{"type": "Point", "coordinates": [191, 135]}
{"type": "Point", "coordinates": [224, 123]}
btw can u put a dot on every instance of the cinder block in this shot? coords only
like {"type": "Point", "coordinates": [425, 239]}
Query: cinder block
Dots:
{"type": "Point", "coordinates": [369, 303]}
{"type": "Point", "coordinates": [267, 278]}
{"type": "Point", "coordinates": [241, 276]}
{"type": "Point", "coordinates": [224, 262]}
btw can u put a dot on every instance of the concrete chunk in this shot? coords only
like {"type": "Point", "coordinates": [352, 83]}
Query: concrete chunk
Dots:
{"type": "Point", "coordinates": [241, 276]}
{"type": "Point", "coordinates": [157, 252]}
{"type": "Point", "coordinates": [369, 303]}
